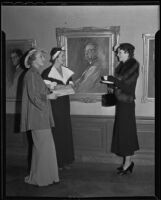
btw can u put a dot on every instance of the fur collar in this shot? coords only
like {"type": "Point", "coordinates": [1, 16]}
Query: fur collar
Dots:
{"type": "Point", "coordinates": [125, 67]}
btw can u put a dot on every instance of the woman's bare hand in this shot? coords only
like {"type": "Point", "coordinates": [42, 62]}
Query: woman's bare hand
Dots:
{"type": "Point", "coordinates": [52, 96]}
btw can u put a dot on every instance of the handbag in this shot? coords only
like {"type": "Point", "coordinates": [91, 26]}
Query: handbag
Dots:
{"type": "Point", "coordinates": [109, 100]}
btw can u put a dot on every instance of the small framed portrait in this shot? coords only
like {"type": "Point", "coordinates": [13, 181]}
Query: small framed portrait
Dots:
{"type": "Point", "coordinates": [15, 70]}
{"type": "Point", "coordinates": [148, 68]}
{"type": "Point", "coordinates": [90, 55]}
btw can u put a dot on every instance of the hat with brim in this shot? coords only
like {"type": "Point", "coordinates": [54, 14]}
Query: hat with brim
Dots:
{"type": "Point", "coordinates": [30, 53]}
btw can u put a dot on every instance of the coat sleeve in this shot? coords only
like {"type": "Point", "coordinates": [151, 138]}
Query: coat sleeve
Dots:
{"type": "Point", "coordinates": [44, 74]}
{"type": "Point", "coordinates": [39, 100]}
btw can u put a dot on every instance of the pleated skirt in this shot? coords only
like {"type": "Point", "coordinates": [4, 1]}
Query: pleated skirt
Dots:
{"type": "Point", "coordinates": [44, 169]}
{"type": "Point", "coordinates": [125, 140]}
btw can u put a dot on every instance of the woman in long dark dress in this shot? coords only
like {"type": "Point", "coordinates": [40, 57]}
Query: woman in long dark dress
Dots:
{"type": "Point", "coordinates": [62, 132]}
{"type": "Point", "coordinates": [124, 140]}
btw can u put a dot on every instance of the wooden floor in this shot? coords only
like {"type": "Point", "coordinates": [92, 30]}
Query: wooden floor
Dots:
{"type": "Point", "coordinates": [83, 180]}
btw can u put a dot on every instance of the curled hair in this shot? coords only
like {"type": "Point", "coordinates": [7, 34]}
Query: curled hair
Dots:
{"type": "Point", "coordinates": [30, 56]}
{"type": "Point", "coordinates": [127, 47]}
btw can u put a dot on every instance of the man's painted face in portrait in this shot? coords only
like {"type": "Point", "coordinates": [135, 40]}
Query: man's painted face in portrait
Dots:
{"type": "Point", "coordinates": [90, 52]}
{"type": "Point", "coordinates": [15, 59]}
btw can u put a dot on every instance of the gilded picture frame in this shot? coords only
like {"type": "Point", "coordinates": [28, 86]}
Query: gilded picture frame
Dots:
{"type": "Point", "coordinates": [74, 41]}
{"type": "Point", "coordinates": [148, 68]}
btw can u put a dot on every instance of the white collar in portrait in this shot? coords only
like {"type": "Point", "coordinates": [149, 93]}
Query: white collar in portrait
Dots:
{"type": "Point", "coordinates": [67, 73]}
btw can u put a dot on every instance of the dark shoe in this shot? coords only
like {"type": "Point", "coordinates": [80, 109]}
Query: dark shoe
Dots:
{"type": "Point", "coordinates": [56, 183]}
{"type": "Point", "coordinates": [129, 169]}
{"type": "Point", "coordinates": [120, 168]}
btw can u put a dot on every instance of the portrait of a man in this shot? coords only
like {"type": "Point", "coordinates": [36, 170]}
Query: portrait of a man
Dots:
{"type": "Point", "coordinates": [89, 54]}
{"type": "Point", "coordinates": [15, 70]}
{"type": "Point", "coordinates": [151, 71]}
{"type": "Point", "coordinates": [149, 68]}
{"type": "Point", "coordinates": [89, 81]}
{"type": "Point", "coordinates": [89, 58]}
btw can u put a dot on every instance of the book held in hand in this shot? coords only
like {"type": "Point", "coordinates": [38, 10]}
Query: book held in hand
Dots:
{"type": "Point", "coordinates": [106, 82]}
{"type": "Point", "coordinates": [62, 91]}
{"type": "Point", "coordinates": [50, 85]}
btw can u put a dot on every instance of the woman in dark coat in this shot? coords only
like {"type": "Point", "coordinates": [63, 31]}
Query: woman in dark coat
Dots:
{"type": "Point", "coordinates": [37, 117]}
{"type": "Point", "coordinates": [62, 132]}
{"type": "Point", "coordinates": [124, 140]}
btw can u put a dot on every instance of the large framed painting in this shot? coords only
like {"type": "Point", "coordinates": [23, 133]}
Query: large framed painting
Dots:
{"type": "Point", "coordinates": [148, 68]}
{"type": "Point", "coordinates": [15, 52]}
{"type": "Point", "coordinates": [80, 44]}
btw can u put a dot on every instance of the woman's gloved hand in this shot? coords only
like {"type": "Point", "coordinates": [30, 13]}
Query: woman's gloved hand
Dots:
{"type": "Point", "coordinates": [111, 78]}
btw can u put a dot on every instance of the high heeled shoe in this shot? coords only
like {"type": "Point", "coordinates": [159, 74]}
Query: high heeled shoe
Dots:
{"type": "Point", "coordinates": [120, 168]}
{"type": "Point", "coordinates": [129, 169]}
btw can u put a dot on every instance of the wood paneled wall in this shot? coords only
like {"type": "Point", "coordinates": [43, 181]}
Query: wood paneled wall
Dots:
{"type": "Point", "coordinates": [92, 139]}
{"type": "Point", "coordinates": [93, 134]}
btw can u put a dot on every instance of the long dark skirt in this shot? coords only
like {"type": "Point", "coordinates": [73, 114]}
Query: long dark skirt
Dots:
{"type": "Point", "coordinates": [124, 140]}
{"type": "Point", "coordinates": [62, 132]}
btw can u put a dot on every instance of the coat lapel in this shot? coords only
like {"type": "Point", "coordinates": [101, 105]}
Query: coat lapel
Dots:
{"type": "Point", "coordinates": [67, 73]}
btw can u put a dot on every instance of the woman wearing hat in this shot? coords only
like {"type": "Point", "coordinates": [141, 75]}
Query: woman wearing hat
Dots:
{"type": "Point", "coordinates": [62, 77]}
{"type": "Point", "coordinates": [125, 141]}
{"type": "Point", "coordinates": [36, 116]}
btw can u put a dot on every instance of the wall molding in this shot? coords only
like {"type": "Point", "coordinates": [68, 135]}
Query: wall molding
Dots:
{"type": "Point", "coordinates": [92, 139]}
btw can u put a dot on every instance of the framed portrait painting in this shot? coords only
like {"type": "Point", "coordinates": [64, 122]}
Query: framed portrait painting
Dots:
{"type": "Point", "coordinates": [148, 67]}
{"type": "Point", "coordinates": [87, 75]}
{"type": "Point", "coordinates": [15, 52]}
